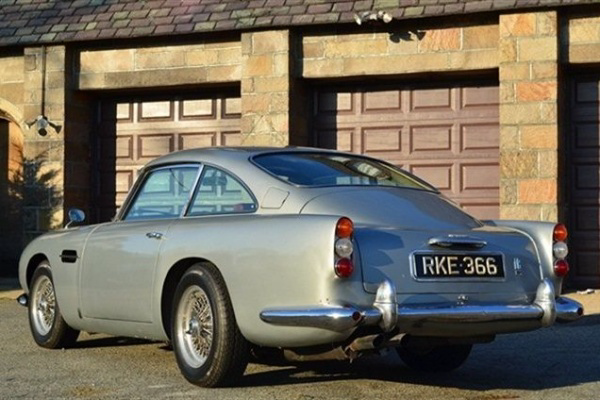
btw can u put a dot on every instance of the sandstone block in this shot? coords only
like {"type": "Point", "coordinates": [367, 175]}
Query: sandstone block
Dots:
{"type": "Point", "coordinates": [517, 24]}
{"type": "Point", "coordinates": [537, 91]}
{"type": "Point", "coordinates": [538, 191]}
{"type": "Point", "coordinates": [509, 137]}
{"type": "Point", "coordinates": [169, 59]}
{"type": "Point", "coordinates": [523, 212]}
{"type": "Point", "coordinates": [544, 70]}
{"type": "Point", "coordinates": [107, 60]}
{"type": "Point", "coordinates": [539, 136]}
{"type": "Point", "coordinates": [224, 73]}
{"type": "Point", "coordinates": [12, 69]}
{"type": "Point", "coordinates": [548, 164]}
{"type": "Point", "coordinates": [270, 42]}
{"type": "Point", "coordinates": [230, 55]}
{"type": "Point", "coordinates": [312, 50]}
{"type": "Point", "coordinates": [201, 57]}
{"type": "Point", "coordinates": [272, 84]}
{"type": "Point", "coordinates": [482, 59]}
{"type": "Point", "coordinates": [538, 49]}
{"type": "Point", "coordinates": [514, 72]}
{"type": "Point", "coordinates": [518, 164]}
{"type": "Point", "coordinates": [256, 103]}
{"type": "Point", "coordinates": [480, 37]}
{"type": "Point", "coordinates": [322, 68]}
{"type": "Point", "coordinates": [440, 40]}
{"type": "Point", "coordinates": [353, 49]}
{"type": "Point", "coordinates": [546, 23]}
{"type": "Point", "coordinates": [584, 53]}
{"type": "Point", "coordinates": [584, 30]}
{"type": "Point", "coordinates": [261, 65]}
{"type": "Point", "coordinates": [508, 50]}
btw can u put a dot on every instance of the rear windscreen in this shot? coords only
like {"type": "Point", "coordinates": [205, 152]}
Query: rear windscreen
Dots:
{"type": "Point", "coordinates": [323, 169]}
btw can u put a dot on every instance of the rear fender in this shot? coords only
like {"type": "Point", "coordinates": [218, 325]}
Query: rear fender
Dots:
{"type": "Point", "coordinates": [541, 235]}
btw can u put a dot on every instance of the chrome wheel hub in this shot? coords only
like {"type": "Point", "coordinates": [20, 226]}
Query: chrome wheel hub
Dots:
{"type": "Point", "coordinates": [194, 326]}
{"type": "Point", "coordinates": [43, 305]}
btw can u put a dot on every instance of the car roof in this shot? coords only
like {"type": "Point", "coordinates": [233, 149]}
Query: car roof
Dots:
{"type": "Point", "coordinates": [226, 154]}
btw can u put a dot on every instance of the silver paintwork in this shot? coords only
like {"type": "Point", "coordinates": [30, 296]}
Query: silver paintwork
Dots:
{"type": "Point", "coordinates": [277, 262]}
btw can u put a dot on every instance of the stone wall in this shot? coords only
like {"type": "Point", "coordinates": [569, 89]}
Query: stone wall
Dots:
{"type": "Point", "coordinates": [400, 52]}
{"type": "Point", "coordinates": [266, 88]}
{"type": "Point", "coordinates": [210, 62]}
{"type": "Point", "coordinates": [529, 116]}
{"type": "Point", "coordinates": [11, 81]}
{"type": "Point", "coordinates": [583, 39]}
{"type": "Point", "coordinates": [44, 156]}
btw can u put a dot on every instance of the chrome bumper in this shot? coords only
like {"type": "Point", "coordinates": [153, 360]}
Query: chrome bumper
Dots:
{"type": "Point", "coordinates": [385, 312]}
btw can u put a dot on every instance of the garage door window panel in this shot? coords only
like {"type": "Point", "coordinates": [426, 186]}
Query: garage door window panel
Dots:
{"type": "Point", "coordinates": [164, 194]}
{"type": "Point", "coordinates": [220, 193]}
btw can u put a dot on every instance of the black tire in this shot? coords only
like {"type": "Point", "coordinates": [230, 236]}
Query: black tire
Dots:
{"type": "Point", "coordinates": [209, 348]}
{"type": "Point", "coordinates": [48, 327]}
{"type": "Point", "coordinates": [434, 358]}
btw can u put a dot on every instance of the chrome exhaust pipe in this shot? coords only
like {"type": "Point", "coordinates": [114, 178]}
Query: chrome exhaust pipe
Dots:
{"type": "Point", "coordinates": [568, 310]}
{"type": "Point", "coordinates": [23, 300]}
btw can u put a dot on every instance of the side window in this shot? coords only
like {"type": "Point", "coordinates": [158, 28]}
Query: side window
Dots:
{"type": "Point", "coordinates": [220, 193]}
{"type": "Point", "coordinates": [163, 194]}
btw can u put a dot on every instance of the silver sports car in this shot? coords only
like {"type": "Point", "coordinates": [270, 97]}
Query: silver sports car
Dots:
{"type": "Point", "coordinates": [230, 252]}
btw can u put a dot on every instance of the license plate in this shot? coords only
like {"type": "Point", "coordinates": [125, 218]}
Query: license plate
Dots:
{"type": "Point", "coordinates": [452, 266]}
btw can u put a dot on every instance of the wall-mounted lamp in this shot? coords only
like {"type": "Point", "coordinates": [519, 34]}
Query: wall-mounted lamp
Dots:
{"type": "Point", "coordinates": [42, 123]}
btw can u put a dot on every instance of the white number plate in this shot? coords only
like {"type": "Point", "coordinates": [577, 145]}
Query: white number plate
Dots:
{"type": "Point", "coordinates": [438, 265]}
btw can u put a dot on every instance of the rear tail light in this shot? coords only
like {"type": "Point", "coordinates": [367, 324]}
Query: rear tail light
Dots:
{"type": "Point", "coordinates": [561, 268]}
{"type": "Point", "coordinates": [343, 248]}
{"type": "Point", "coordinates": [344, 267]}
{"type": "Point", "coordinates": [344, 228]}
{"type": "Point", "coordinates": [560, 250]}
{"type": "Point", "coordinates": [560, 233]}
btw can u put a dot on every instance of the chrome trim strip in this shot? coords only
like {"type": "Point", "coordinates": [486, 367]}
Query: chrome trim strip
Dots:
{"type": "Point", "coordinates": [459, 240]}
{"type": "Point", "coordinates": [545, 309]}
{"type": "Point", "coordinates": [337, 319]}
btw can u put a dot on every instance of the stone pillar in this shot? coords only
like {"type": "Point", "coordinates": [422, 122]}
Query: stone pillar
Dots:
{"type": "Point", "coordinates": [265, 88]}
{"type": "Point", "coordinates": [44, 155]}
{"type": "Point", "coordinates": [528, 63]}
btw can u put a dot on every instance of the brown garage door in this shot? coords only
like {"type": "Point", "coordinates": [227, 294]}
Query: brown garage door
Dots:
{"type": "Point", "coordinates": [447, 135]}
{"type": "Point", "coordinates": [134, 132]}
{"type": "Point", "coordinates": [584, 182]}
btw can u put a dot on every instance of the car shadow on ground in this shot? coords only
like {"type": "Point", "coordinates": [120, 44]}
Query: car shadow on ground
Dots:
{"type": "Point", "coordinates": [561, 356]}
{"type": "Point", "coordinates": [90, 341]}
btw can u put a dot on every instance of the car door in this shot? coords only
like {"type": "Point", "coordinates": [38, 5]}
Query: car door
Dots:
{"type": "Point", "coordinates": [120, 258]}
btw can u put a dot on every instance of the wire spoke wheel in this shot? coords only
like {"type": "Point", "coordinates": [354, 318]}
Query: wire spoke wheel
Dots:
{"type": "Point", "coordinates": [195, 326]}
{"type": "Point", "coordinates": [48, 327]}
{"type": "Point", "coordinates": [44, 305]}
{"type": "Point", "coordinates": [208, 345]}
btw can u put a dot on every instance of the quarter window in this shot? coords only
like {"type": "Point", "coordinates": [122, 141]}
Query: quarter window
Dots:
{"type": "Point", "coordinates": [163, 194]}
{"type": "Point", "coordinates": [220, 193]}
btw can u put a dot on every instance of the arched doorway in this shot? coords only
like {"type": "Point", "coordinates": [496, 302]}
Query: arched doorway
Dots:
{"type": "Point", "coordinates": [11, 195]}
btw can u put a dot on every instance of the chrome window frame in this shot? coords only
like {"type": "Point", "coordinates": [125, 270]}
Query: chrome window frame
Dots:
{"type": "Point", "coordinates": [238, 180]}
{"type": "Point", "coordinates": [143, 177]}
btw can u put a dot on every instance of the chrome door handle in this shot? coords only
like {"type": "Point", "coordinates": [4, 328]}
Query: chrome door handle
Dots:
{"type": "Point", "coordinates": [154, 235]}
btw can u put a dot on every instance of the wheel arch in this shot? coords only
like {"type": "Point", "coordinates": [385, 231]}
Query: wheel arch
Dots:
{"type": "Point", "coordinates": [32, 265]}
{"type": "Point", "coordinates": [170, 284]}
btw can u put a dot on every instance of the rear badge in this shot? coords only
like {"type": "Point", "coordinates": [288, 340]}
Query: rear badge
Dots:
{"type": "Point", "coordinates": [518, 267]}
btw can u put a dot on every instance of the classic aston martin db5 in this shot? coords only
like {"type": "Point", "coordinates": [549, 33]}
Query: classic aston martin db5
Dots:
{"type": "Point", "coordinates": [225, 252]}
